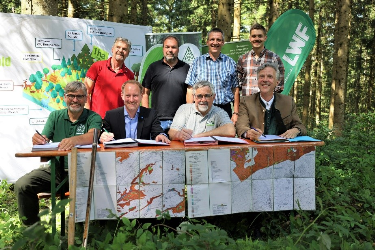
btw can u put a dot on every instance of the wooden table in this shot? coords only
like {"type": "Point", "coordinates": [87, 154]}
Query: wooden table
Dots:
{"type": "Point", "coordinates": [269, 154]}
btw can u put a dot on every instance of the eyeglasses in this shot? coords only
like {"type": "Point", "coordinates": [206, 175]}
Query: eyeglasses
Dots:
{"type": "Point", "coordinates": [199, 97]}
{"type": "Point", "coordinates": [79, 97]}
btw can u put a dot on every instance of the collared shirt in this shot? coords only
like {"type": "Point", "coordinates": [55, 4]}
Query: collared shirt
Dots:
{"type": "Point", "coordinates": [269, 103]}
{"type": "Point", "coordinates": [221, 73]}
{"type": "Point", "coordinates": [106, 92]}
{"type": "Point", "coordinates": [168, 87]}
{"type": "Point", "coordinates": [187, 116]}
{"type": "Point", "coordinates": [247, 70]}
{"type": "Point", "coordinates": [131, 124]}
{"type": "Point", "coordinates": [59, 126]}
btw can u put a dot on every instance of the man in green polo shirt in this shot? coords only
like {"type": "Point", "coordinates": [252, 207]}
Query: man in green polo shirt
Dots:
{"type": "Point", "coordinates": [71, 126]}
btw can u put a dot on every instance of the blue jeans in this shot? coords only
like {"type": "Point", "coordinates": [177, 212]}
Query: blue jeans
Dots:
{"type": "Point", "coordinates": [165, 125]}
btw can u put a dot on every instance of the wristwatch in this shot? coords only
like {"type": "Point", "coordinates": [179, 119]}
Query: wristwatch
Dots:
{"type": "Point", "coordinates": [235, 113]}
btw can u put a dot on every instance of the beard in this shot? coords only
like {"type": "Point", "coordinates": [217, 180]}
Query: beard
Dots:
{"type": "Point", "coordinates": [203, 106]}
{"type": "Point", "coordinates": [170, 58]}
{"type": "Point", "coordinates": [75, 109]}
{"type": "Point", "coordinates": [119, 57]}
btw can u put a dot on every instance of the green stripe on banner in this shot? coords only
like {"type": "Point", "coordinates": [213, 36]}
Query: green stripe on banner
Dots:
{"type": "Point", "coordinates": [292, 37]}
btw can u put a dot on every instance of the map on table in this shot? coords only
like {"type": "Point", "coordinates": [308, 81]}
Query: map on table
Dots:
{"type": "Point", "coordinates": [135, 184]}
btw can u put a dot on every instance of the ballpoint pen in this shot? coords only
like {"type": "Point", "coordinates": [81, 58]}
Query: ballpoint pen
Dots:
{"type": "Point", "coordinates": [41, 136]}
{"type": "Point", "coordinates": [108, 132]}
{"type": "Point", "coordinates": [257, 131]}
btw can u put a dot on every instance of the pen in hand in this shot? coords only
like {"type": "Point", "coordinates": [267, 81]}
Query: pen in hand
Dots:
{"type": "Point", "coordinates": [113, 138]}
{"type": "Point", "coordinates": [257, 131]}
{"type": "Point", "coordinates": [41, 136]}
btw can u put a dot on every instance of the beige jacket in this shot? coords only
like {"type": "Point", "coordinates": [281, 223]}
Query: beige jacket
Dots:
{"type": "Point", "coordinates": [251, 113]}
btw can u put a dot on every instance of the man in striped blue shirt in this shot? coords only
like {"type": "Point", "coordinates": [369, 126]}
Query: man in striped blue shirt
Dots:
{"type": "Point", "coordinates": [220, 70]}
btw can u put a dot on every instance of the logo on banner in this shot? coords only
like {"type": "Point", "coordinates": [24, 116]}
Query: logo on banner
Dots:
{"type": "Point", "coordinates": [188, 52]}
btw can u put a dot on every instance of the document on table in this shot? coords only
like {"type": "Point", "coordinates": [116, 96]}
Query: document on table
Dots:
{"type": "Point", "coordinates": [219, 165]}
{"type": "Point", "coordinates": [229, 139]}
{"type": "Point", "coordinates": [196, 167]}
{"type": "Point", "coordinates": [83, 168]}
{"type": "Point", "coordinates": [44, 147]}
{"type": "Point", "coordinates": [81, 204]}
{"type": "Point", "coordinates": [276, 138]}
{"type": "Point", "coordinates": [121, 143]}
{"type": "Point", "coordinates": [198, 197]}
{"type": "Point", "coordinates": [303, 138]}
{"type": "Point", "coordinates": [105, 202]}
{"type": "Point", "coordinates": [87, 146]}
{"type": "Point", "coordinates": [151, 142]}
{"type": "Point", "coordinates": [105, 171]}
{"type": "Point", "coordinates": [270, 138]}
{"type": "Point", "coordinates": [200, 141]}
{"type": "Point", "coordinates": [104, 184]}
{"type": "Point", "coordinates": [220, 198]}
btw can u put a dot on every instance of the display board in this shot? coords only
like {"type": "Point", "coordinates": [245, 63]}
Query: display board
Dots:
{"type": "Point", "coordinates": [39, 55]}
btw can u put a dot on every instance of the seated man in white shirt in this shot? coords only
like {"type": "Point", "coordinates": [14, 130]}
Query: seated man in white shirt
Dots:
{"type": "Point", "coordinates": [201, 118]}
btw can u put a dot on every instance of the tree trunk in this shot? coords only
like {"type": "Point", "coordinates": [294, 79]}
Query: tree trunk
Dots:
{"type": "Point", "coordinates": [40, 7]}
{"type": "Point", "coordinates": [318, 72]}
{"type": "Point", "coordinates": [118, 11]}
{"type": "Point", "coordinates": [370, 98]}
{"type": "Point", "coordinates": [355, 108]}
{"type": "Point", "coordinates": [214, 13]}
{"type": "Point", "coordinates": [103, 10]}
{"type": "Point", "coordinates": [306, 86]}
{"type": "Point", "coordinates": [237, 20]}
{"type": "Point", "coordinates": [340, 66]}
{"type": "Point", "coordinates": [71, 9]}
{"type": "Point", "coordinates": [133, 12]}
{"type": "Point", "coordinates": [145, 13]}
{"type": "Point", "coordinates": [224, 20]}
{"type": "Point", "coordinates": [274, 12]}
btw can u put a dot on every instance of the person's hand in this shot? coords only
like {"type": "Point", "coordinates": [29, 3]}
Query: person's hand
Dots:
{"type": "Point", "coordinates": [253, 134]}
{"type": "Point", "coordinates": [162, 138]}
{"type": "Point", "coordinates": [234, 118]}
{"type": "Point", "coordinates": [67, 144]}
{"type": "Point", "coordinates": [290, 133]}
{"type": "Point", "coordinates": [39, 139]}
{"type": "Point", "coordinates": [184, 134]}
{"type": "Point", "coordinates": [106, 137]}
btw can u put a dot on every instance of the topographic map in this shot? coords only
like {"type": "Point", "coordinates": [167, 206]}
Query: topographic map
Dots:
{"type": "Point", "coordinates": [140, 188]}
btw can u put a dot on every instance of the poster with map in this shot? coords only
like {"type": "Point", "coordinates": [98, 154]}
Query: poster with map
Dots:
{"type": "Point", "coordinates": [39, 55]}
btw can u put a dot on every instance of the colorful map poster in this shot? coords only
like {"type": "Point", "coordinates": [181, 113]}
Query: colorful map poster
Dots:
{"type": "Point", "coordinates": [39, 56]}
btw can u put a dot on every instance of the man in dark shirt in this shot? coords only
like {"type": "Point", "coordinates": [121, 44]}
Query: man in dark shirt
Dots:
{"type": "Point", "coordinates": [166, 80]}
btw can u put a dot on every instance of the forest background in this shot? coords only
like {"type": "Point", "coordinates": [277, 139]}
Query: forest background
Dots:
{"type": "Point", "coordinates": [337, 78]}
{"type": "Point", "coordinates": [334, 92]}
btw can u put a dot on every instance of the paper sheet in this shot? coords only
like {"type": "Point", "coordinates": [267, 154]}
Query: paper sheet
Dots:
{"type": "Point", "coordinates": [198, 200]}
{"type": "Point", "coordinates": [196, 167]}
{"type": "Point", "coordinates": [219, 165]}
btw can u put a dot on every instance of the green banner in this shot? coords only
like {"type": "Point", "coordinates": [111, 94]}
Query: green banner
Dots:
{"type": "Point", "coordinates": [292, 37]}
{"type": "Point", "coordinates": [233, 49]}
